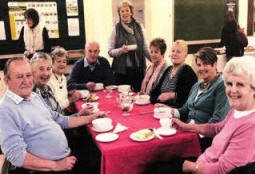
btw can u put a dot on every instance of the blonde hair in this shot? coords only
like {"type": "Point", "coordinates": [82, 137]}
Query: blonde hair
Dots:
{"type": "Point", "coordinates": [125, 3]}
{"type": "Point", "coordinates": [240, 65]}
{"type": "Point", "coordinates": [182, 44]}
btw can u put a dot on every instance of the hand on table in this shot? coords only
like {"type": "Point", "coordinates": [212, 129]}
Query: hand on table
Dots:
{"type": "Point", "coordinates": [86, 111]}
{"type": "Point", "coordinates": [74, 96]}
{"type": "Point", "coordinates": [179, 124]}
{"type": "Point", "coordinates": [98, 115]}
{"type": "Point", "coordinates": [66, 163]}
{"type": "Point", "coordinates": [91, 86]}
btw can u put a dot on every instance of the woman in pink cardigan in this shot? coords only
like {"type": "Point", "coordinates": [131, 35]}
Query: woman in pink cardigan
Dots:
{"type": "Point", "coordinates": [234, 138]}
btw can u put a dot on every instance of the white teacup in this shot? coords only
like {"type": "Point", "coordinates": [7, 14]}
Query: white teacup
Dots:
{"type": "Point", "coordinates": [163, 112]}
{"type": "Point", "coordinates": [132, 47]}
{"type": "Point", "coordinates": [165, 123]}
{"type": "Point", "coordinates": [102, 124]}
{"type": "Point", "coordinates": [99, 86]}
{"type": "Point", "coordinates": [124, 88]}
{"type": "Point", "coordinates": [94, 104]}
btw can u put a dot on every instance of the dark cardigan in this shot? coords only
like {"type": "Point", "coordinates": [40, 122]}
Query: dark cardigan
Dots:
{"type": "Point", "coordinates": [185, 80]}
{"type": "Point", "coordinates": [80, 75]}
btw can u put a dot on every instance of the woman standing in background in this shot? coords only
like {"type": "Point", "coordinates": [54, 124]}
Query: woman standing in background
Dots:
{"type": "Point", "coordinates": [233, 37]}
{"type": "Point", "coordinates": [33, 38]}
{"type": "Point", "coordinates": [128, 48]}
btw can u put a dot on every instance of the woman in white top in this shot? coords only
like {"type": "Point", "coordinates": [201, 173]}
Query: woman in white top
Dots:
{"type": "Point", "coordinates": [33, 37]}
{"type": "Point", "coordinates": [58, 80]}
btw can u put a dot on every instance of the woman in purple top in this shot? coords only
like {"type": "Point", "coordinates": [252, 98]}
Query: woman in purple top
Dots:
{"type": "Point", "coordinates": [234, 137]}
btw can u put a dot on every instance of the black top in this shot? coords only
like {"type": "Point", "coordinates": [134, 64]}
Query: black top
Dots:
{"type": "Point", "coordinates": [229, 39]}
{"type": "Point", "coordinates": [81, 75]}
{"type": "Point", "coordinates": [185, 80]}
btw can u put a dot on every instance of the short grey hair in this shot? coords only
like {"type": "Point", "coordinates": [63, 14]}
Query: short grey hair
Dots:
{"type": "Point", "coordinates": [59, 52]}
{"type": "Point", "coordinates": [8, 63]}
{"type": "Point", "coordinates": [241, 65]}
{"type": "Point", "coordinates": [37, 56]}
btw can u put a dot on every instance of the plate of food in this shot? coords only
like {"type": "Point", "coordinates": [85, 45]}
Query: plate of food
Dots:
{"type": "Point", "coordinates": [142, 99]}
{"type": "Point", "coordinates": [91, 98]}
{"type": "Point", "coordinates": [112, 87]}
{"type": "Point", "coordinates": [142, 135]}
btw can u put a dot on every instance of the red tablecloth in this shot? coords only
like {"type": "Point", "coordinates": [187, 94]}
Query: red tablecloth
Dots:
{"type": "Point", "coordinates": [126, 156]}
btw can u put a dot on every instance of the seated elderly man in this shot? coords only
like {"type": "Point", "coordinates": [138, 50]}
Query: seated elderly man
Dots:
{"type": "Point", "coordinates": [42, 71]}
{"type": "Point", "coordinates": [90, 70]}
{"type": "Point", "coordinates": [31, 134]}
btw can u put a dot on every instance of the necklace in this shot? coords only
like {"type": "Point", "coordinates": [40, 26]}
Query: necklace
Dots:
{"type": "Point", "coordinates": [59, 81]}
{"type": "Point", "coordinates": [203, 85]}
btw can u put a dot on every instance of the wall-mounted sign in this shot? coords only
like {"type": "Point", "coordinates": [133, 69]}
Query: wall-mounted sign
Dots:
{"type": "Point", "coordinates": [72, 7]}
{"type": "Point", "coordinates": [47, 12]}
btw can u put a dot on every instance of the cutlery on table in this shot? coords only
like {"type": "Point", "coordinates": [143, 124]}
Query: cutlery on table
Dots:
{"type": "Point", "coordinates": [156, 133]}
{"type": "Point", "coordinates": [147, 112]}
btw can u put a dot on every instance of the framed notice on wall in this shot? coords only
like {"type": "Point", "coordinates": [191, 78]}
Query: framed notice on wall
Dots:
{"type": "Point", "coordinates": [71, 7]}
{"type": "Point", "coordinates": [47, 12]}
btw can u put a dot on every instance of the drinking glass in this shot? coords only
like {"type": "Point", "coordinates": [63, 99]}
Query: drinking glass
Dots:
{"type": "Point", "coordinates": [108, 91]}
{"type": "Point", "coordinates": [126, 104]}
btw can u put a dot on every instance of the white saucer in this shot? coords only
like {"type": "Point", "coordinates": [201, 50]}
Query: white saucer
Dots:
{"type": "Point", "coordinates": [159, 117]}
{"type": "Point", "coordinates": [99, 89]}
{"type": "Point", "coordinates": [94, 129]}
{"type": "Point", "coordinates": [142, 103]}
{"type": "Point", "coordinates": [96, 98]}
{"type": "Point", "coordinates": [107, 137]}
{"type": "Point", "coordinates": [112, 87]}
{"type": "Point", "coordinates": [166, 131]}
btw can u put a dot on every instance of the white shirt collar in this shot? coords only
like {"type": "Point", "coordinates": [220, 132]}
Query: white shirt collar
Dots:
{"type": "Point", "coordinates": [16, 98]}
{"type": "Point", "coordinates": [239, 114]}
{"type": "Point", "coordinates": [86, 63]}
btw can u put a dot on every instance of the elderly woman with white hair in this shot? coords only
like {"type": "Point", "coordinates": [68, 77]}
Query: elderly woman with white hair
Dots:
{"type": "Point", "coordinates": [58, 82]}
{"type": "Point", "coordinates": [234, 138]}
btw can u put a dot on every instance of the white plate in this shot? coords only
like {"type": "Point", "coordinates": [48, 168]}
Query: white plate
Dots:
{"type": "Point", "coordinates": [94, 129]}
{"type": "Point", "coordinates": [159, 117]}
{"type": "Point", "coordinates": [134, 138]}
{"type": "Point", "coordinates": [142, 103]}
{"type": "Point", "coordinates": [96, 98]}
{"type": "Point", "coordinates": [99, 89]}
{"type": "Point", "coordinates": [107, 137]}
{"type": "Point", "coordinates": [112, 87]}
{"type": "Point", "coordinates": [84, 93]}
{"type": "Point", "coordinates": [166, 132]}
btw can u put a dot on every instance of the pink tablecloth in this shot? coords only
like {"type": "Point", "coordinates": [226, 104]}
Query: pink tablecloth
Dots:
{"type": "Point", "coordinates": [128, 157]}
